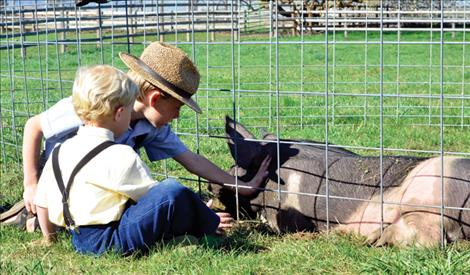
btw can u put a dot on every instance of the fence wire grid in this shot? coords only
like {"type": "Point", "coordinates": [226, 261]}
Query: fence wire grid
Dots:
{"type": "Point", "coordinates": [376, 77]}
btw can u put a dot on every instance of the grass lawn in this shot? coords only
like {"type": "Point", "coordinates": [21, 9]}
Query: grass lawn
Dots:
{"type": "Point", "coordinates": [246, 252]}
{"type": "Point", "coordinates": [280, 88]}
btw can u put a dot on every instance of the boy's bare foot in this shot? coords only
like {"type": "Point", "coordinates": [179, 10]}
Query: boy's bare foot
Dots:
{"type": "Point", "coordinates": [31, 224]}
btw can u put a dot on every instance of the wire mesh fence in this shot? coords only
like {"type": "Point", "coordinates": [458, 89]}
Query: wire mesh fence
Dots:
{"type": "Point", "coordinates": [377, 77]}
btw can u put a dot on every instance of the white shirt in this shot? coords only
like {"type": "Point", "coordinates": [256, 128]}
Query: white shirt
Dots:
{"type": "Point", "coordinates": [60, 122]}
{"type": "Point", "coordinates": [102, 187]}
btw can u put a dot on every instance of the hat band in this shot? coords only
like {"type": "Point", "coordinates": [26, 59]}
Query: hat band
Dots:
{"type": "Point", "coordinates": [162, 80]}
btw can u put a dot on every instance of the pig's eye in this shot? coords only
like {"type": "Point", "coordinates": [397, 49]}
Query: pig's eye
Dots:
{"type": "Point", "coordinates": [241, 172]}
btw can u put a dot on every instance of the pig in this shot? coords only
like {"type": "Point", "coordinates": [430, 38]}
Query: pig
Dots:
{"type": "Point", "coordinates": [346, 195]}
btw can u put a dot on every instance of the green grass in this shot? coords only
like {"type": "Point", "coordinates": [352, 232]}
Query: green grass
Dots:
{"type": "Point", "coordinates": [32, 84]}
{"type": "Point", "coordinates": [246, 251]}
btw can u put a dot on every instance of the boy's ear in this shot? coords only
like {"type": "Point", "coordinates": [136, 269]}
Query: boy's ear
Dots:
{"type": "Point", "coordinates": [118, 112]}
{"type": "Point", "coordinates": [152, 97]}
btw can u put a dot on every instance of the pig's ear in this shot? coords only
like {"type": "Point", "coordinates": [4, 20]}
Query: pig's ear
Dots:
{"type": "Point", "coordinates": [266, 135]}
{"type": "Point", "coordinates": [246, 150]}
{"type": "Point", "coordinates": [234, 129]}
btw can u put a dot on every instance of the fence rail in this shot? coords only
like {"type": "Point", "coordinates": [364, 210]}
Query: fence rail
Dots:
{"type": "Point", "coordinates": [161, 19]}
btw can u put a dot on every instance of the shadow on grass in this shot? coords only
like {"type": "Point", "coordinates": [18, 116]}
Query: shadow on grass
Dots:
{"type": "Point", "coordinates": [245, 237]}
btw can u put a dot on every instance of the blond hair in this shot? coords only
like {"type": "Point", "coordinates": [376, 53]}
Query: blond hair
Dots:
{"type": "Point", "coordinates": [99, 90]}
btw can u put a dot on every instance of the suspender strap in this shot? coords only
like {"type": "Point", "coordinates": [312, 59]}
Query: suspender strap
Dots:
{"type": "Point", "coordinates": [60, 182]}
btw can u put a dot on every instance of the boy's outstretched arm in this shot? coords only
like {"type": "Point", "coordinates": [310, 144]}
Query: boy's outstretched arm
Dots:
{"type": "Point", "coordinates": [31, 148]}
{"type": "Point", "coordinates": [201, 166]}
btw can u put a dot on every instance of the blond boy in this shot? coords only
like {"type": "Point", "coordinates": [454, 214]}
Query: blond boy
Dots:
{"type": "Point", "coordinates": [112, 202]}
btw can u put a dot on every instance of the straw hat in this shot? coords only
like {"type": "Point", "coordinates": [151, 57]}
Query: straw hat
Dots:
{"type": "Point", "coordinates": [167, 68]}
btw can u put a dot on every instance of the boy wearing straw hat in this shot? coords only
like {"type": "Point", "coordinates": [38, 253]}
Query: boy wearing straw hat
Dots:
{"type": "Point", "coordinates": [110, 201]}
{"type": "Point", "coordinates": [167, 79]}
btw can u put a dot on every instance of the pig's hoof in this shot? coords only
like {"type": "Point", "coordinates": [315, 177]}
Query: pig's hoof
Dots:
{"type": "Point", "coordinates": [389, 236]}
{"type": "Point", "coordinates": [386, 238]}
{"type": "Point", "coordinates": [373, 237]}
{"type": "Point", "coordinates": [412, 229]}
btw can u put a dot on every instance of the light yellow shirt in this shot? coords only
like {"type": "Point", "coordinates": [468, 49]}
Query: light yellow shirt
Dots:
{"type": "Point", "coordinates": [102, 187]}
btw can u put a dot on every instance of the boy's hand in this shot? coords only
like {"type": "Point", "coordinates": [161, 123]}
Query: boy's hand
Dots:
{"type": "Point", "coordinates": [257, 180]}
{"type": "Point", "coordinates": [28, 197]}
{"type": "Point", "coordinates": [226, 220]}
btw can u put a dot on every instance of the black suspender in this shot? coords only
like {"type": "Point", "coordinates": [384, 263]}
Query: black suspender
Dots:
{"type": "Point", "coordinates": [70, 224]}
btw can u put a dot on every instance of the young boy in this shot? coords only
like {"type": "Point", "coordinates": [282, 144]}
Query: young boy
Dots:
{"type": "Point", "coordinates": [110, 201]}
{"type": "Point", "coordinates": [167, 79]}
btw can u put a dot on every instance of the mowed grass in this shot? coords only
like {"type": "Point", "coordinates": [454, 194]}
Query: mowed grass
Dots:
{"type": "Point", "coordinates": [267, 99]}
{"type": "Point", "coordinates": [250, 248]}
{"type": "Point", "coordinates": [248, 253]}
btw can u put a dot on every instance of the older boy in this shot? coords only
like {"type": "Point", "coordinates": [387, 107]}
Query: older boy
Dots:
{"type": "Point", "coordinates": [110, 201]}
{"type": "Point", "coordinates": [167, 79]}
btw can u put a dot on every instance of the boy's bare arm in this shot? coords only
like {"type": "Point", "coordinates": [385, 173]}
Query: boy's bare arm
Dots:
{"type": "Point", "coordinates": [201, 166]}
{"type": "Point", "coordinates": [31, 148]}
{"type": "Point", "coordinates": [47, 228]}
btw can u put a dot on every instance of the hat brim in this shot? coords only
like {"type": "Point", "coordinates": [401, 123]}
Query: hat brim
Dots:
{"type": "Point", "coordinates": [138, 66]}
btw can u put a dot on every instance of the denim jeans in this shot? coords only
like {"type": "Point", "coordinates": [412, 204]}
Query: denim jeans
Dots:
{"type": "Point", "coordinates": [167, 210]}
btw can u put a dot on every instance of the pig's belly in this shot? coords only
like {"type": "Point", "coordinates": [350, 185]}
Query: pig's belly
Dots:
{"type": "Point", "coordinates": [422, 187]}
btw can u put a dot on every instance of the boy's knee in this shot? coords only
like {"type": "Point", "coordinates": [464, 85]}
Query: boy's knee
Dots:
{"type": "Point", "coordinates": [172, 189]}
